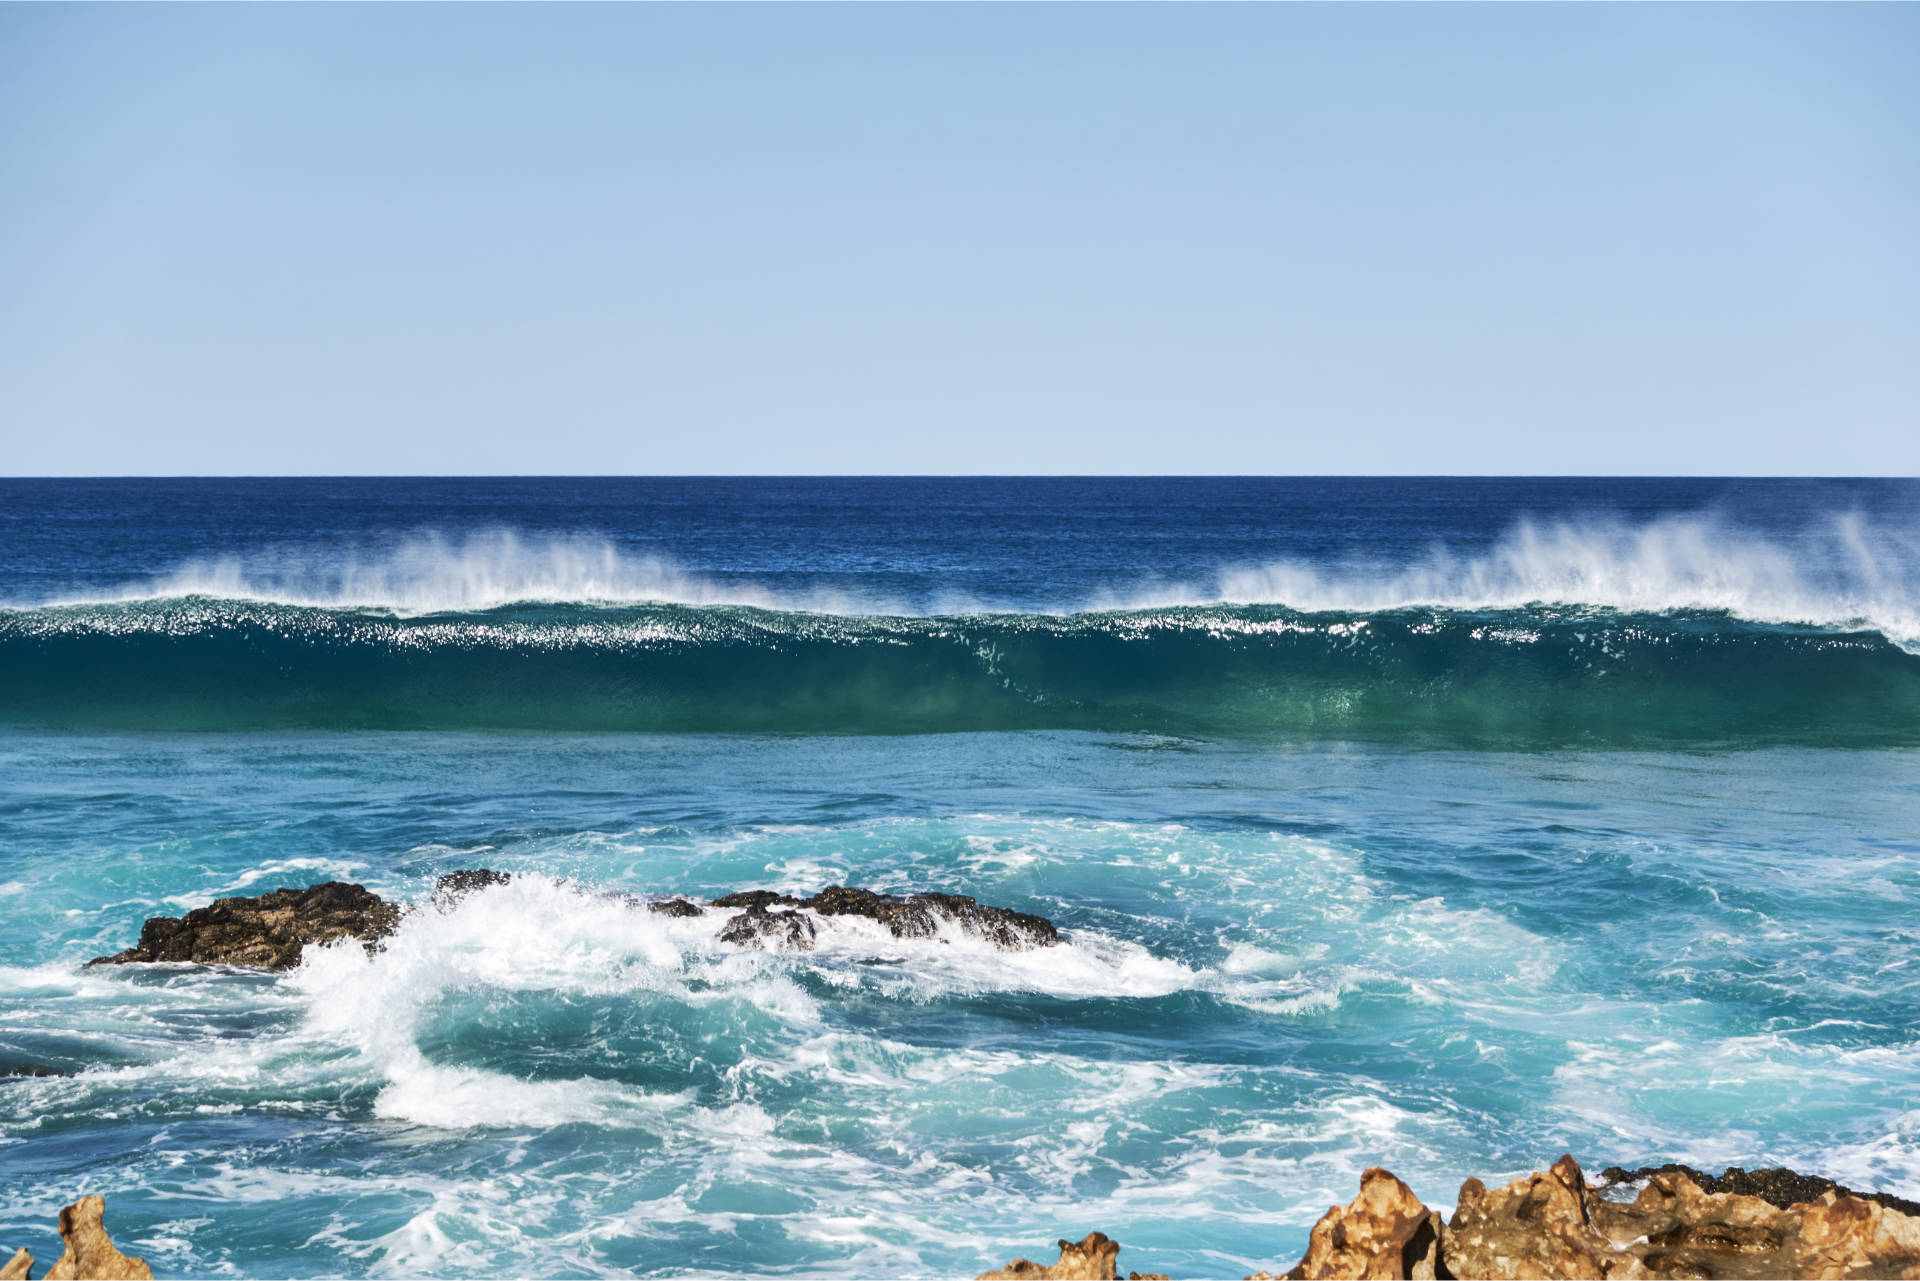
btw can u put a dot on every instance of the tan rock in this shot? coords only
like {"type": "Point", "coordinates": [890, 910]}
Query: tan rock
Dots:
{"type": "Point", "coordinates": [1384, 1234]}
{"type": "Point", "coordinates": [1539, 1227]}
{"type": "Point", "coordinates": [1094, 1258]}
{"type": "Point", "coordinates": [90, 1255]}
{"type": "Point", "coordinates": [17, 1267]}
{"type": "Point", "coordinates": [1676, 1230]}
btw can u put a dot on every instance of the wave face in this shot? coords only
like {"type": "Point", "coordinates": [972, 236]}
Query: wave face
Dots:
{"type": "Point", "coordinates": [1537, 673]}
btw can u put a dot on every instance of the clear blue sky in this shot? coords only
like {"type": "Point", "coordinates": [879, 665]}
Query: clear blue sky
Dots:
{"type": "Point", "coordinates": [1241, 239]}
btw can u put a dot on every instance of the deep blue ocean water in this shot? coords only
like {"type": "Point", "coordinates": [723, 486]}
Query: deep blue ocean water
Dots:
{"type": "Point", "coordinates": [1440, 824]}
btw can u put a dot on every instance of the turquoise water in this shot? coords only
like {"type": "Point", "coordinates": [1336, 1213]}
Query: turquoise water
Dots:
{"type": "Point", "coordinates": [1450, 886]}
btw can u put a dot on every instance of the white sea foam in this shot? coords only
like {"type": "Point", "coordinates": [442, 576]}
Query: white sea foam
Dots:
{"type": "Point", "coordinates": [537, 936]}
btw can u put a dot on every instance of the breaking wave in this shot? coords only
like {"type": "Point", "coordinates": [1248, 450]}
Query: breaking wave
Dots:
{"type": "Point", "coordinates": [1678, 629]}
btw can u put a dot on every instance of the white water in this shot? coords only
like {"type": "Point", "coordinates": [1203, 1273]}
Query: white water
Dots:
{"type": "Point", "coordinates": [1848, 572]}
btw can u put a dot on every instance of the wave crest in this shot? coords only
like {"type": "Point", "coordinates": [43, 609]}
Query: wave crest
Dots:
{"type": "Point", "coordinates": [1847, 571]}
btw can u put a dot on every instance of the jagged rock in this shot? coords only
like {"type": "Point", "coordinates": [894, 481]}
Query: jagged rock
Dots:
{"type": "Point", "coordinates": [456, 885]}
{"type": "Point", "coordinates": [1553, 1225]}
{"type": "Point", "coordinates": [268, 931]}
{"type": "Point", "coordinates": [90, 1255]}
{"type": "Point", "coordinates": [1776, 1186]}
{"type": "Point", "coordinates": [1385, 1232]}
{"type": "Point", "coordinates": [676, 907]}
{"type": "Point", "coordinates": [1673, 1229]}
{"type": "Point", "coordinates": [1094, 1258]}
{"type": "Point", "coordinates": [918, 916]}
{"type": "Point", "coordinates": [18, 1266]}
{"type": "Point", "coordinates": [763, 929]}
{"type": "Point", "coordinates": [1537, 1226]}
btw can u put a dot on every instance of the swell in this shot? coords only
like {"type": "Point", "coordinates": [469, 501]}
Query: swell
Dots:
{"type": "Point", "coordinates": [1524, 675]}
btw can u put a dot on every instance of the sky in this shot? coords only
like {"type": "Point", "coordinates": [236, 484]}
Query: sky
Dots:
{"type": "Point", "coordinates": [1031, 239]}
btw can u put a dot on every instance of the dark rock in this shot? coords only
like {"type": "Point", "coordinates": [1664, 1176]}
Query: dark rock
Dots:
{"type": "Point", "coordinates": [271, 930]}
{"type": "Point", "coordinates": [455, 885]}
{"type": "Point", "coordinates": [760, 928]}
{"type": "Point", "coordinates": [918, 916]}
{"type": "Point", "coordinates": [752, 899]}
{"type": "Point", "coordinates": [1776, 1186]}
{"type": "Point", "coordinates": [268, 931]}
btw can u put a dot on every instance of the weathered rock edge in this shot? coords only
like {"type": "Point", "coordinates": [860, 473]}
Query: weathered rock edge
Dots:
{"type": "Point", "coordinates": [89, 1252]}
{"type": "Point", "coordinates": [1554, 1224]}
{"type": "Point", "coordinates": [269, 931]}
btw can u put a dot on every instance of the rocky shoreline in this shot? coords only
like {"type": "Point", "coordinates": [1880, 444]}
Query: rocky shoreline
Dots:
{"type": "Point", "coordinates": [1554, 1224]}
{"type": "Point", "coordinates": [1551, 1224]}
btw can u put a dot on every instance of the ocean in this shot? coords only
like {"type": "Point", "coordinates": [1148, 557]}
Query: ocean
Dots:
{"type": "Point", "coordinates": [1439, 824]}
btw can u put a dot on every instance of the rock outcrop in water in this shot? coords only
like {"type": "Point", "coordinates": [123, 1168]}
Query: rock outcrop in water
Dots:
{"type": "Point", "coordinates": [90, 1253]}
{"type": "Point", "coordinates": [910, 916]}
{"type": "Point", "coordinates": [270, 931]}
{"type": "Point", "coordinates": [1554, 1224]}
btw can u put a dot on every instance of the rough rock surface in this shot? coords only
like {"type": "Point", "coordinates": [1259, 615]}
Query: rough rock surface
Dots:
{"type": "Point", "coordinates": [1093, 1258]}
{"type": "Point", "coordinates": [1537, 1226]}
{"type": "Point", "coordinates": [18, 1266]}
{"type": "Point", "coordinates": [90, 1253]}
{"type": "Point", "coordinates": [1673, 1229]}
{"type": "Point", "coordinates": [757, 927]}
{"type": "Point", "coordinates": [1776, 1186]}
{"type": "Point", "coordinates": [455, 885]}
{"type": "Point", "coordinates": [917, 916]}
{"type": "Point", "coordinates": [908, 916]}
{"type": "Point", "coordinates": [1384, 1232]}
{"type": "Point", "coordinates": [268, 931]}
{"type": "Point", "coordinates": [1554, 1224]}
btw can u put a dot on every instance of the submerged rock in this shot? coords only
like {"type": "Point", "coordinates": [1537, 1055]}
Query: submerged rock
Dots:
{"type": "Point", "coordinates": [1093, 1258]}
{"type": "Point", "coordinates": [268, 931]}
{"type": "Point", "coordinates": [89, 1253]}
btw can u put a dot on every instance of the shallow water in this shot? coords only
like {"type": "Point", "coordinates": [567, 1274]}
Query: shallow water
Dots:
{"type": "Point", "coordinates": [1294, 950]}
